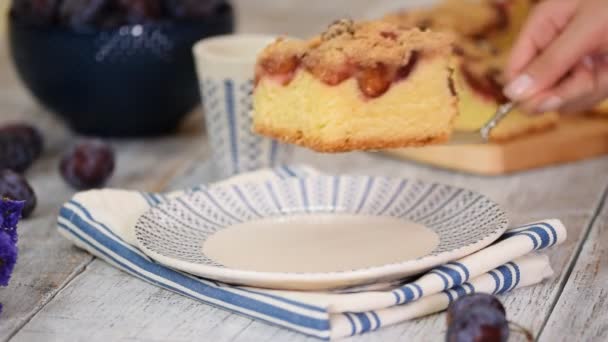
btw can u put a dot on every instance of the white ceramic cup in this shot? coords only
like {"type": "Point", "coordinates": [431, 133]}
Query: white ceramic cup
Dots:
{"type": "Point", "coordinates": [225, 68]}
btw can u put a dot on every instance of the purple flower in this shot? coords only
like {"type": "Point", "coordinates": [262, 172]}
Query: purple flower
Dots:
{"type": "Point", "coordinates": [10, 213]}
{"type": "Point", "coordinates": [8, 257]}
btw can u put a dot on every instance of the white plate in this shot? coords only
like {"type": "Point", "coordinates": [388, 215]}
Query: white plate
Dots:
{"type": "Point", "coordinates": [320, 232]}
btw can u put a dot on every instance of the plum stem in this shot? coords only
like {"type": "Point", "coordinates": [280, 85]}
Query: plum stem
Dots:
{"type": "Point", "coordinates": [522, 330]}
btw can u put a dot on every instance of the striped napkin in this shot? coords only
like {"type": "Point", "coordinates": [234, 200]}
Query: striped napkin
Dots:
{"type": "Point", "coordinates": [102, 222]}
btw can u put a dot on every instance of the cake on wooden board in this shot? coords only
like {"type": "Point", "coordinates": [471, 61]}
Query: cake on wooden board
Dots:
{"type": "Point", "coordinates": [483, 32]}
{"type": "Point", "coordinates": [381, 84]}
{"type": "Point", "coordinates": [479, 82]}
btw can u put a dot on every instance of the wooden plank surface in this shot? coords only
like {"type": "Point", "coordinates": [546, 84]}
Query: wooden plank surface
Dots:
{"type": "Point", "coordinates": [118, 307]}
{"type": "Point", "coordinates": [581, 314]}
{"type": "Point", "coordinates": [574, 139]}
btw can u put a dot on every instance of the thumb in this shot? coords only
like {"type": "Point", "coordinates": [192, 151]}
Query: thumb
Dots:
{"type": "Point", "coordinates": [578, 39]}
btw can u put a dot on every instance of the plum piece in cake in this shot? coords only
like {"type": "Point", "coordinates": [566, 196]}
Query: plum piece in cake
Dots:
{"type": "Point", "coordinates": [358, 86]}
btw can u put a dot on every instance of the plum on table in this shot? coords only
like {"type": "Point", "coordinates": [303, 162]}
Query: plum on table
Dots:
{"type": "Point", "coordinates": [20, 146]}
{"type": "Point", "coordinates": [89, 164]}
{"type": "Point", "coordinates": [16, 187]}
{"type": "Point", "coordinates": [83, 13]}
{"type": "Point", "coordinates": [138, 11]}
{"type": "Point", "coordinates": [36, 12]}
{"type": "Point", "coordinates": [465, 303]}
{"type": "Point", "coordinates": [191, 8]}
{"type": "Point", "coordinates": [479, 324]}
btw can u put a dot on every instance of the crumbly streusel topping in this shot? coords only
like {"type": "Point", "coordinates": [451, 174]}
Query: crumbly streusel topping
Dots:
{"type": "Point", "coordinates": [365, 44]}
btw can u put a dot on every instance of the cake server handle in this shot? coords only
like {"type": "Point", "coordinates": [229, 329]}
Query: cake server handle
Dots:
{"type": "Point", "coordinates": [501, 113]}
{"type": "Point", "coordinates": [482, 135]}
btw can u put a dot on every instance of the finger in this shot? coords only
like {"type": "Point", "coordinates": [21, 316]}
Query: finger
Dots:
{"type": "Point", "coordinates": [542, 27]}
{"type": "Point", "coordinates": [578, 84]}
{"type": "Point", "coordinates": [600, 93]}
{"type": "Point", "coordinates": [578, 39]}
{"type": "Point", "coordinates": [584, 88]}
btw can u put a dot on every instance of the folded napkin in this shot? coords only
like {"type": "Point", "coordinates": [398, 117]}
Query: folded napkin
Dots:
{"type": "Point", "coordinates": [102, 222]}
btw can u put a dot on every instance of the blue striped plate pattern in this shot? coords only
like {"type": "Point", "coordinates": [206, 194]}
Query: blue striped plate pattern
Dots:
{"type": "Point", "coordinates": [173, 232]}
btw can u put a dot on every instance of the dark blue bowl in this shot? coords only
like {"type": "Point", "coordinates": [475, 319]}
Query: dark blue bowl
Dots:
{"type": "Point", "coordinates": [138, 80]}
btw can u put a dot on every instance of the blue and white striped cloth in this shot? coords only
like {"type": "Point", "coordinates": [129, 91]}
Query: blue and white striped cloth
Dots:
{"type": "Point", "coordinates": [102, 222]}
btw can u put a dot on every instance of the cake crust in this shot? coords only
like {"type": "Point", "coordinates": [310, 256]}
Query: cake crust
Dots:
{"type": "Point", "coordinates": [505, 132]}
{"type": "Point", "coordinates": [346, 144]}
{"type": "Point", "coordinates": [346, 48]}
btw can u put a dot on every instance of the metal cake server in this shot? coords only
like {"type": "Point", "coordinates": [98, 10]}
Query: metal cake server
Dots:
{"type": "Point", "coordinates": [482, 135]}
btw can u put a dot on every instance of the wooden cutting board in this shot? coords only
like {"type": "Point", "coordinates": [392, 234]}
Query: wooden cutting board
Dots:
{"type": "Point", "coordinates": [574, 139]}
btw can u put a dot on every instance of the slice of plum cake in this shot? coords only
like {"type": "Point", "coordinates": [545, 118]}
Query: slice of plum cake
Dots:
{"type": "Point", "coordinates": [358, 86]}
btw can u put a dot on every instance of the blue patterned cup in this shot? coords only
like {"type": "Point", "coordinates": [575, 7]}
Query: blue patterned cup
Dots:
{"type": "Point", "coordinates": [225, 67]}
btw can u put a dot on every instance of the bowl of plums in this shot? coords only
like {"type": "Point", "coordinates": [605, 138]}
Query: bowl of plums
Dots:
{"type": "Point", "coordinates": [114, 68]}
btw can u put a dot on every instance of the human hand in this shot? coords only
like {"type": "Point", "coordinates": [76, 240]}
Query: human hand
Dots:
{"type": "Point", "coordinates": [560, 60]}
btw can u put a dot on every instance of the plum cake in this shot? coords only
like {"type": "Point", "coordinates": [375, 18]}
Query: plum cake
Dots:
{"type": "Point", "coordinates": [357, 86]}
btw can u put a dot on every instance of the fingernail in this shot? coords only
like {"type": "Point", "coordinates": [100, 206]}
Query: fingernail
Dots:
{"type": "Point", "coordinates": [519, 87]}
{"type": "Point", "coordinates": [550, 104]}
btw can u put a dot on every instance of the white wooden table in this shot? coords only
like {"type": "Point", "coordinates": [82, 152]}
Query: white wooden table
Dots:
{"type": "Point", "coordinates": [60, 293]}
